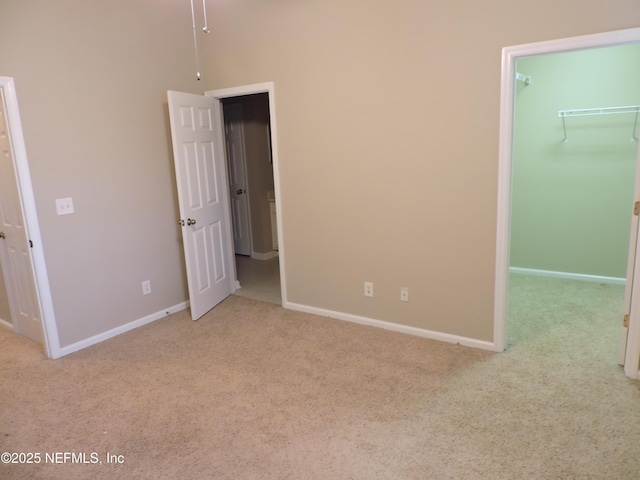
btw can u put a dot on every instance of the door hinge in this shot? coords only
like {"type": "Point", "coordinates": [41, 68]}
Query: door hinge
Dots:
{"type": "Point", "coordinates": [625, 321]}
{"type": "Point", "coordinates": [636, 209]}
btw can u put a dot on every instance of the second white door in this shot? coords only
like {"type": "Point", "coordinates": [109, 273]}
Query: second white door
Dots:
{"type": "Point", "coordinates": [234, 135]}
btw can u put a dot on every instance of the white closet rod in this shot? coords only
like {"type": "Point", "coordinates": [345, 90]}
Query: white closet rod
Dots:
{"type": "Point", "coordinates": [523, 78]}
{"type": "Point", "coordinates": [583, 112]}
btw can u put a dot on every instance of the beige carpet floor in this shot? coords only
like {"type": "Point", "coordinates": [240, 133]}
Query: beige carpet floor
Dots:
{"type": "Point", "coordinates": [252, 391]}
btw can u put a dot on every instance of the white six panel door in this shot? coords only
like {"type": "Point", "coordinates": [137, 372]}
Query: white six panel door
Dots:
{"type": "Point", "coordinates": [14, 247]}
{"type": "Point", "coordinates": [234, 136]}
{"type": "Point", "coordinates": [203, 198]}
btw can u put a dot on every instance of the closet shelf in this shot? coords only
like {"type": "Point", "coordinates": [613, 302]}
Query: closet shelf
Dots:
{"type": "Point", "coordinates": [583, 112]}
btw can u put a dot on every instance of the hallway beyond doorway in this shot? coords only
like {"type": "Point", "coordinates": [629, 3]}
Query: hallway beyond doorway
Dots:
{"type": "Point", "coordinates": [259, 279]}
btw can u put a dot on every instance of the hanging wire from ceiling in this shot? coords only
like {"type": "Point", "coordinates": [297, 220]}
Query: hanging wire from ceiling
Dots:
{"type": "Point", "coordinates": [205, 29]}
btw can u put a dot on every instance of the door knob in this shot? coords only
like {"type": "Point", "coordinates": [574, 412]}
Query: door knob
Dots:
{"type": "Point", "coordinates": [190, 221]}
{"type": "Point", "coordinates": [2, 235]}
{"type": "Point", "coordinates": [239, 191]}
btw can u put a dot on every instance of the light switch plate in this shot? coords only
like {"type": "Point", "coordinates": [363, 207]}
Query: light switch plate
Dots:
{"type": "Point", "coordinates": [64, 206]}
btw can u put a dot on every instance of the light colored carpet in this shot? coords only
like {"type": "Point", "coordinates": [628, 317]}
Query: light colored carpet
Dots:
{"type": "Point", "coordinates": [252, 391]}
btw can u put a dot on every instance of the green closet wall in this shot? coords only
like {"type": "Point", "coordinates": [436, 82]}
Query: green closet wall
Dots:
{"type": "Point", "coordinates": [572, 201]}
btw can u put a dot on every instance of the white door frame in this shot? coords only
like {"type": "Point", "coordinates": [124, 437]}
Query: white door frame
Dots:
{"type": "Point", "coordinates": [268, 88]}
{"type": "Point", "coordinates": [510, 55]}
{"type": "Point", "coordinates": [27, 201]}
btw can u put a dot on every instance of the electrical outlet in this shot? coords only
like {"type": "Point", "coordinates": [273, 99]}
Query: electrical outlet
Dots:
{"type": "Point", "coordinates": [404, 294]}
{"type": "Point", "coordinates": [368, 289]}
{"type": "Point", "coordinates": [146, 287]}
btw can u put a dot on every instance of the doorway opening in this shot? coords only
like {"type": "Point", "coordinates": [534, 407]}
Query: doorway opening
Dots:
{"type": "Point", "coordinates": [252, 165]}
{"type": "Point", "coordinates": [521, 225]}
{"type": "Point", "coordinates": [252, 195]}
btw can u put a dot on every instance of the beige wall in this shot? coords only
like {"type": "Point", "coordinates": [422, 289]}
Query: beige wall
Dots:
{"type": "Point", "coordinates": [388, 131]}
{"type": "Point", "coordinates": [388, 117]}
{"type": "Point", "coordinates": [91, 79]}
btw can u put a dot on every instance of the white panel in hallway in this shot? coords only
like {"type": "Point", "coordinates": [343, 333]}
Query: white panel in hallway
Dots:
{"type": "Point", "coordinates": [234, 135]}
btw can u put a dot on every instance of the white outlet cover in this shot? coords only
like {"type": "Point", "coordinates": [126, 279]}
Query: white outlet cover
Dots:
{"type": "Point", "coordinates": [368, 289]}
{"type": "Point", "coordinates": [64, 206]}
{"type": "Point", "coordinates": [404, 294]}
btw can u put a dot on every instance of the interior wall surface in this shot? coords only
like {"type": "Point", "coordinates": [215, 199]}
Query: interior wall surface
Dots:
{"type": "Point", "coordinates": [572, 200]}
{"type": "Point", "coordinates": [91, 81]}
{"type": "Point", "coordinates": [388, 132]}
{"type": "Point", "coordinates": [388, 120]}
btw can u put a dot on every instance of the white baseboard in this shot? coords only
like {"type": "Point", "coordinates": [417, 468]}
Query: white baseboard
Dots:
{"type": "Point", "coordinates": [419, 332]}
{"type": "Point", "coordinates": [570, 276]}
{"type": "Point", "coordinates": [4, 323]}
{"type": "Point", "coordinates": [101, 337]}
{"type": "Point", "coordinates": [264, 256]}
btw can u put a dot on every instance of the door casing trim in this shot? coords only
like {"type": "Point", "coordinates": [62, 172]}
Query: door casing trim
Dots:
{"type": "Point", "coordinates": [269, 88]}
